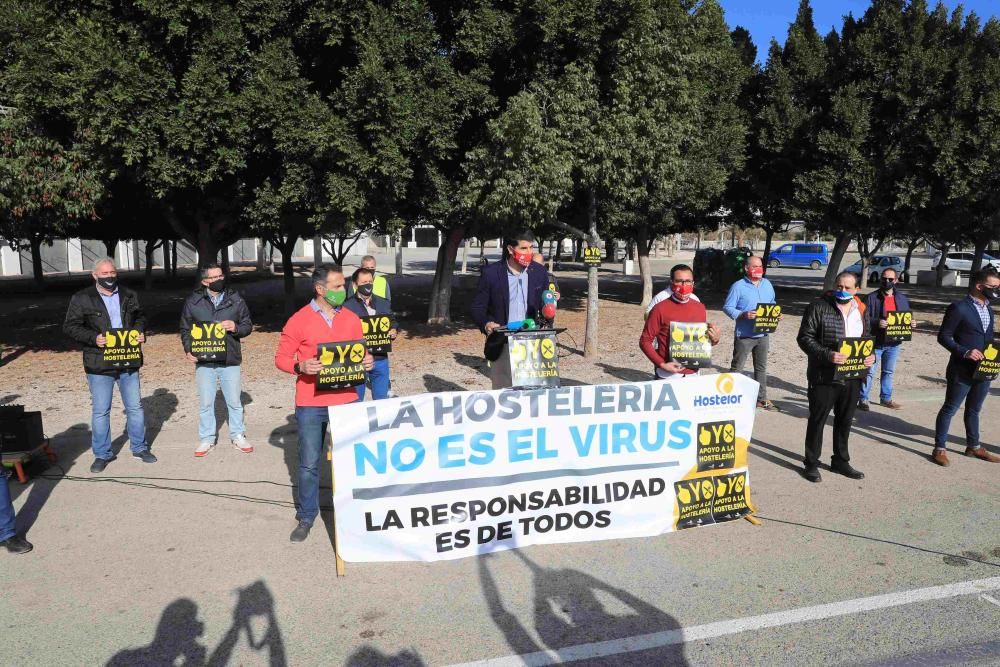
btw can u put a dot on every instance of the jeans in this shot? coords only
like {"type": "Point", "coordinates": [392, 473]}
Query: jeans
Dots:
{"type": "Point", "coordinates": [961, 389]}
{"type": "Point", "coordinates": [208, 377]}
{"type": "Point", "coordinates": [843, 400]}
{"type": "Point", "coordinates": [6, 510]}
{"type": "Point", "coordinates": [378, 376]}
{"type": "Point", "coordinates": [887, 356]}
{"type": "Point", "coordinates": [742, 347]}
{"type": "Point", "coordinates": [312, 422]}
{"type": "Point", "coordinates": [101, 392]}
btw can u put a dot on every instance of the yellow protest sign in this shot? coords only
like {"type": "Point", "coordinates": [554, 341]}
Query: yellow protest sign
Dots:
{"type": "Point", "coordinates": [767, 318]}
{"type": "Point", "coordinates": [900, 326]}
{"type": "Point", "coordinates": [592, 256]}
{"type": "Point", "coordinates": [209, 341]}
{"type": "Point", "coordinates": [376, 330]}
{"type": "Point", "coordinates": [989, 367]}
{"type": "Point", "coordinates": [689, 344]}
{"type": "Point", "coordinates": [343, 364]}
{"type": "Point", "coordinates": [855, 349]}
{"type": "Point", "coordinates": [122, 349]}
{"type": "Point", "coordinates": [533, 360]}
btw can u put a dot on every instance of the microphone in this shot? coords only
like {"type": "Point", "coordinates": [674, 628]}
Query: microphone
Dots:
{"type": "Point", "coordinates": [549, 304]}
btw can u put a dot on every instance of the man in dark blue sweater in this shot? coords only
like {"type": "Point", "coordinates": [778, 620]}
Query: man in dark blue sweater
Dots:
{"type": "Point", "coordinates": [966, 332]}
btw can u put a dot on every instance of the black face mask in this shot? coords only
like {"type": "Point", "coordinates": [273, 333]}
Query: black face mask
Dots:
{"type": "Point", "coordinates": [217, 285]}
{"type": "Point", "coordinates": [108, 283]}
{"type": "Point", "coordinates": [365, 290]}
{"type": "Point", "coordinates": [991, 293]}
{"type": "Point", "coordinates": [888, 283]}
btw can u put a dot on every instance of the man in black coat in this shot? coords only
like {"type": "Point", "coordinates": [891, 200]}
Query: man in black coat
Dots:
{"type": "Point", "coordinates": [216, 318]}
{"type": "Point", "coordinates": [508, 292]}
{"type": "Point", "coordinates": [363, 302]}
{"type": "Point", "coordinates": [825, 324]}
{"type": "Point", "coordinates": [93, 312]}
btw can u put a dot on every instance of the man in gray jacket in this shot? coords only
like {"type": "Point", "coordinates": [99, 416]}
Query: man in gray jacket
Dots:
{"type": "Point", "coordinates": [213, 321]}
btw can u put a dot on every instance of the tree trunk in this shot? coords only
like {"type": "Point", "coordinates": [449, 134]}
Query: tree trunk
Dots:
{"type": "Point", "coordinates": [150, 251]}
{"type": "Point", "coordinates": [224, 260]}
{"type": "Point", "coordinates": [439, 311]}
{"type": "Point", "coordinates": [590, 350]}
{"type": "Point", "coordinates": [399, 254]}
{"type": "Point", "coordinates": [208, 245]}
{"type": "Point", "coordinates": [36, 262]}
{"type": "Point", "coordinates": [980, 250]}
{"type": "Point", "coordinates": [465, 256]}
{"type": "Point", "coordinates": [642, 244]}
{"type": "Point", "coordinates": [318, 251]}
{"type": "Point", "coordinates": [836, 257]}
{"type": "Point", "coordinates": [261, 256]}
{"type": "Point", "coordinates": [173, 259]}
{"type": "Point", "coordinates": [939, 278]}
{"type": "Point", "coordinates": [910, 247]}
{"type": "Point", "coordinates": [110, 246]}
{"type": "Point", "coordinates": [768, 237]}
{"type": "Point", "coordinates": [286, 247]}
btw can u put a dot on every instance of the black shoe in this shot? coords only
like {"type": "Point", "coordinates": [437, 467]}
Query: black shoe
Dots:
{"type": "Point", "coordinates": [812, 474]}
{"type": "Point", "coordinates": [864, 406]}
{"type": "Point", "coordinates": [301, 532]}
{"type": "Point", "coordinates": [846, 470]}
{"type": "Point", "coordinates": [17, 545]}
{"type": "Point", "coordinates": [145, 456]}
{"type": "Point", "coordinates": [100, 464]}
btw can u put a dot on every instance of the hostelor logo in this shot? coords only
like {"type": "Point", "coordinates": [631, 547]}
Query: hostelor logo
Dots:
{"type": "Point", "coordinates": [724, 385]}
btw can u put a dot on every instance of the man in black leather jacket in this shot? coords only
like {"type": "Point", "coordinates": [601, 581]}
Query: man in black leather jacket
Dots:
{"type": "Point", "coordinates": [92, 313]}
{"type": "Point", "coordinates": [825, 324]}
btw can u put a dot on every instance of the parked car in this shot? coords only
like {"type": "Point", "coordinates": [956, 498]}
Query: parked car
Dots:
{"type": "Point", "coordinates": [813, 255]}
{"type": "Point", "coordinates": [962, 261]}
{"type": "Point", "coordinates": [878, 264]}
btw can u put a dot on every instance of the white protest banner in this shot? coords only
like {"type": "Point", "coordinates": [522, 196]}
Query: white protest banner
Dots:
{"type": "Point", "coordinates": [455, 474]}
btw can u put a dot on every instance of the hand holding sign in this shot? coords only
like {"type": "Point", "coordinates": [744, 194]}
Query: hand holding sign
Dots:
{"type": "Point", "coordinates": [855, 354]}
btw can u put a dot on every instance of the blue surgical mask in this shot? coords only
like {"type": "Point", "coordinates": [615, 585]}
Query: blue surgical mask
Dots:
{"type": "Point", "coordinates": [841, 296]}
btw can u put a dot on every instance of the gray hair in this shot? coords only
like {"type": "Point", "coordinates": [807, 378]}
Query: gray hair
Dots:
{"type": "Point", "coordinates": [104, 260]}
{"type": "Point", "coordinates": [367, 257]}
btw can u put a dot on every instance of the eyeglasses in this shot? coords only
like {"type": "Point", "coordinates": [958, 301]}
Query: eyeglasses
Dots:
{"type": "Point", "coordinates": [683, 282]}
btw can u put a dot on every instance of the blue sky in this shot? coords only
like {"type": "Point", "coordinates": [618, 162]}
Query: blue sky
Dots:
{"type": "Point", "coordinates": [770, 18]}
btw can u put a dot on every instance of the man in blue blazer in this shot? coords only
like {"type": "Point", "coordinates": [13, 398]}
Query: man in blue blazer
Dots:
{"type": "Point", "coordinates": [967, 329]}
{"type": "Point", "coordinates": [509, 291]}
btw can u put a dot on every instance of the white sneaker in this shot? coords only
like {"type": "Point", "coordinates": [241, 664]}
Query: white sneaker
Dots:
{"type": "Point", "coordinates": [391, 394]}
{"type": "Point", "coordinates": [240, 443]}
{"type": "Point", "coordinates": [204, 448]}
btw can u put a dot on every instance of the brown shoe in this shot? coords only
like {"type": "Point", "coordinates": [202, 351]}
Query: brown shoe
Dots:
{"type": "Point", "coordinates": [940, 457]}
{"type": "Point", "coordinates": [892, 405]}
{"type": "Point", "coordinates": [981, 453]}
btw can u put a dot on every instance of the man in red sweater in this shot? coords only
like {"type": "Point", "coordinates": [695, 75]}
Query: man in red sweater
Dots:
{"type": "Point", "coordinates": [680, 307]}
{"type": "Point", "coordinates": [322, 320]}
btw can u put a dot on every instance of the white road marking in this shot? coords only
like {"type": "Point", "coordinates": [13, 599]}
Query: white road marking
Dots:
{"type": "Point", "coordinates": [990, 598]}
{"type": "Point", "coordinates": [737, 625]}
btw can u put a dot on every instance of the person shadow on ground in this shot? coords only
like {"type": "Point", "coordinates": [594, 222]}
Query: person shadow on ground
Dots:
{"type": "Point", "coordinates": [253, 602]}
{"type": "Point", "coordinates": [285, 438]}
{"type": "Point", "coordinates": [369, 656]}
{"type": "Point", "coordinates": [568, 612]}
{"type": "Point", "coordinates": [175, 643]}
{"type": "Point", "coordinates": [67, 446]}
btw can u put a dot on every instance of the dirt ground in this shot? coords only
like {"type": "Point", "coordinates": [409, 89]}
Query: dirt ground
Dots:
{"type": "Point", "coordinates": [42, 370]}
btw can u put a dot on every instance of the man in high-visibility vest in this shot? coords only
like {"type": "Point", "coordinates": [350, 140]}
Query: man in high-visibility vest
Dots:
{"type": "Point", "coordinates": [380, 286]}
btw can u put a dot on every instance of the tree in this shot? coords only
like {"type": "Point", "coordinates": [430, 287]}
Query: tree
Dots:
{"type": "Point", "coordinates": [46, 188]}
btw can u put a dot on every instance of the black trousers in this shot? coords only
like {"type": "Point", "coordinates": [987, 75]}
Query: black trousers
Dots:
{"type": "Point", "coordinates": [843, 400]}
